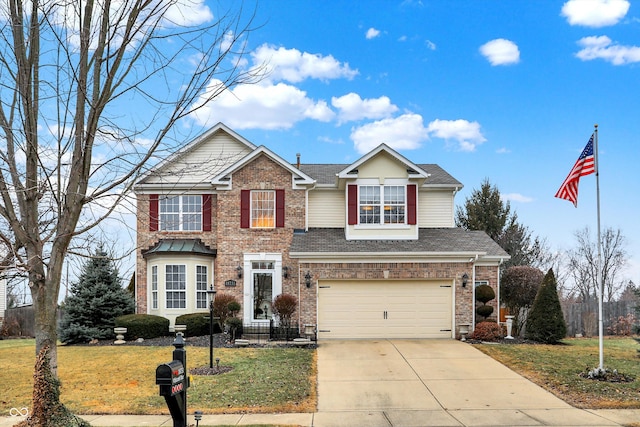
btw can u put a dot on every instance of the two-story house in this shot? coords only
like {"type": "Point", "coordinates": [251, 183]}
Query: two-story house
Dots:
{"type": "Point", "coordinates": [369, 249]}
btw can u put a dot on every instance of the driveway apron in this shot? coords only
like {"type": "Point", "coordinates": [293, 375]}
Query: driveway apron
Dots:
{"type": "Point", "coordinates": [428, 383]}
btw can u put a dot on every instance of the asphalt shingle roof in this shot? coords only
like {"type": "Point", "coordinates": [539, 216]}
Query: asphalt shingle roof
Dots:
{"type": "Point", "coordinates": [326, 173]}
{"type": "Point", "coordinates": [430, 240]}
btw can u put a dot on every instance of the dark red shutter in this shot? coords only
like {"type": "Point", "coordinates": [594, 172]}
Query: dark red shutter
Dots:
{"type": "Point", "coordinates": [245, 208]}
{"type": "Point", "coordinates": [352, 204]}
{"type": "Point", "coordinates": [206, 212]}
{"type": "Point", "coordinates": [411, 205]}
{"type": "Point", "coordinates": [153, 212]}
{"type": "Point", "coordinates": [279, 208]}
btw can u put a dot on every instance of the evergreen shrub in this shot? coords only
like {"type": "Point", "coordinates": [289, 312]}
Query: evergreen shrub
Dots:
{"type": "Point", "coordinates": [96, 299]}
{"type": "Point", "coordinates": [484, 310]}
{"type": "Point", "coordinates": [546, 322]}
{"type": "Point", "coordinates": [145, 326]}
{"type": "Point", "coordinates": [197, 324]}
{"type": "Point", "coordinates": [484, 293]}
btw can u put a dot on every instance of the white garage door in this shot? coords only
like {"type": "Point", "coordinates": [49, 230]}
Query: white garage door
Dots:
{"type": "Point", "coordinates": [384, 309]}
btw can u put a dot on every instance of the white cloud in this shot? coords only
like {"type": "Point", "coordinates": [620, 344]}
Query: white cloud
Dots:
{"type": "Point", "coordinates": [372, 33]}
{"type": "Point", "coordinates": [603, 48]}
{"type": "Point", "coordinates": [595, 13]}
{"type": "Point", "coordinates": [188, 12]}
{"type": "Point", "coordinates": [516, 197]}
{"type": "Point", "coordinates": [261, 106]}
{"type": "Point", "coordinates": [503, 150]}
{"type": "Point", "coordinates": [501, 52]}
{"type": "Point", "coordinates": [352, 107]}
{"type": "Point", "coordinates": [430, 45]}
{"type": "Point", "coordinates": [406, 132]}
{"type": "Point", "coordinates": [294, 66]}
{"type": "Point", "coordinates": [466, 133]}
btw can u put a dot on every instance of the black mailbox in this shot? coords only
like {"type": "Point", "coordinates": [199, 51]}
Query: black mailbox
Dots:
{"type": "Point", "coordinates": [171, 378]}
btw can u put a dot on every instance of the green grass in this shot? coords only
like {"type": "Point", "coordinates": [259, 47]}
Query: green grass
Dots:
{"type": "Point", "coordinates": [558, 367]}
{"type": "Point", "coordinates": [121, 379]}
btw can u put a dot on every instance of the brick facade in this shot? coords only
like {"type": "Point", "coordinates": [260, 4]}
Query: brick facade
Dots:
{"type": "Point", "coordinates": [232, 243]}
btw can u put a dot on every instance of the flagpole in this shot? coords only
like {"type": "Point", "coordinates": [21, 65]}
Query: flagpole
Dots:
{"type": "Point", "coordinates": [599, 262]}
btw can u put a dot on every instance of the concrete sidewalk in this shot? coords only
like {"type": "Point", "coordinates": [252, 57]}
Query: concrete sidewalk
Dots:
{"type": "Point", "coordinates": [410, 383]}
{"type": "Point", "coordinates": [383, 418]}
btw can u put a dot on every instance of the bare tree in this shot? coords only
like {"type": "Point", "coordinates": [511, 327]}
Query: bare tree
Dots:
{"type": "Point", "coordinates": [583, 263]}
{"type": "Point", "coordinates": [90, 92]}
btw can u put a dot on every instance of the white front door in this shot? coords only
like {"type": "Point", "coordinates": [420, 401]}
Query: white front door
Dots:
{"type": "Point", "coordinates": [262, 283]}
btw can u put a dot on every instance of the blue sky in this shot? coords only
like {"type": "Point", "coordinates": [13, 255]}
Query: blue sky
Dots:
{"type": "Point", "coordinates": [508, 91]}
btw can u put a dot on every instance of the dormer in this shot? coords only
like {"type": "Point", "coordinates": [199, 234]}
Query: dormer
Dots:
{"type": "Point", "coordinates": [381, 193]}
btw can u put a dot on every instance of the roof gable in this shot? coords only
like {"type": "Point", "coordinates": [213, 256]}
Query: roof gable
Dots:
{"type": "Point", "coordinates": [413, 170]}
{"type": "Point", "coordinates": [224, 177]}
{"type": "Point", "coordinates": [200, 159]}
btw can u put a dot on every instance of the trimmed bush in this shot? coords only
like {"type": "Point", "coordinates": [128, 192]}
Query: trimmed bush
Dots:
{"type": "Point", "coordinates": [546, 323]}
{"type": "Point", "coordinates": [485, 293]}
{"type": "Point", "coordinates": [487, 331]}
{"type": "Point", "coordinates": [221, 308]}
{"type": "Point", "coordinates": [484, 310]}
{"type": "Point", "coordinates": [197, 324]}
{"type": "Point", "coordinates": [143, 326]}
{"type": "Point", "coordinates": [235, 327]}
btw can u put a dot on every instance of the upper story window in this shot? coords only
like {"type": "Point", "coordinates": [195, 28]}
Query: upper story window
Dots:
{"type": "Point", "coordinates": [382, 204]}
{"type": "Point", "coordinates": [379, 204]}
{"type": "Point", "coordinates": [180, 213]}
{"type": "Point", "coordinates": [263, 209]}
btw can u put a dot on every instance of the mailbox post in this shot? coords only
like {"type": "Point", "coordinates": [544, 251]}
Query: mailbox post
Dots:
{"type": "Point", "coordinates": [173, 381]}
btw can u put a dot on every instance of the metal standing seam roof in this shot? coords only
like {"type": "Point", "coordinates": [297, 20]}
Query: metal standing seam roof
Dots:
{"type": "Point", "coordinates": [180, 246]}
{"type": "Point", "coordinates": [430, 240]}
{"type": "Point", "coordinates": [326, 173]}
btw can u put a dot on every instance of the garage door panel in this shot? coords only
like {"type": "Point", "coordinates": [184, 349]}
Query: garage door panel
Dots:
{"type": "Point", "coordinates": [389, 309]}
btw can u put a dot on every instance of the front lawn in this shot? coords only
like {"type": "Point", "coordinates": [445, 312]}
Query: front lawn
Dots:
{"type": "Point", "coordinates": [121, 379]}
{"type": "Point", "coordinates": [557, 368]}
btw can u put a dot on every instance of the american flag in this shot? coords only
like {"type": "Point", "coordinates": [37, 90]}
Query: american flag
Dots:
{"type": "Point", "coordinates": [584, 166]}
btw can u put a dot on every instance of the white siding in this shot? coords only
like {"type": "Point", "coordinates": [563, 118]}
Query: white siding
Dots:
{"type": "Point", "coordinates": [435, 209]}
{"type": "Point", "coordinates": [203, 162]}
{"type": "Point", "coordinates": [327, 209]}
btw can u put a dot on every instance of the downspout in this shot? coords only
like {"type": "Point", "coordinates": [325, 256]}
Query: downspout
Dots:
{"type": "Point", "coordinates": [473, 294]}
{"type": "Point", "coordinates": [498, 288]}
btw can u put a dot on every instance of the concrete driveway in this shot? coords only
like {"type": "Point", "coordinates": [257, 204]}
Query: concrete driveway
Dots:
{"type": "Point", "coordinates": [430, 383]}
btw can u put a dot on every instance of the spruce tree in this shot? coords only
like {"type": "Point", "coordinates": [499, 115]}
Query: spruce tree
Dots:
{"type": "Point", "coordinates": [545, 322]}
{"type": "Point", "coordinates": [95, 302]}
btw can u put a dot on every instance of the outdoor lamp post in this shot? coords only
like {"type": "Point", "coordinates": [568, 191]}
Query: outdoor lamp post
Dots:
{"type": "Point", "coordinates": [212, 296]}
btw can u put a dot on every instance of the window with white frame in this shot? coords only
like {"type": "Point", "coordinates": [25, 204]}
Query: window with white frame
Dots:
{"type": "Point", "coordinates": [180, 213]}
{"type": "Point", "coordinates": [263, 209]}
{"type": "Point", "coordinates": [176, 286]}
{"type": "Point", "coordinates": [154, 287]}
{"type": "Point", "coordinates": [201, 286]}
{"type": "Point", "coordinates": [382, 204]}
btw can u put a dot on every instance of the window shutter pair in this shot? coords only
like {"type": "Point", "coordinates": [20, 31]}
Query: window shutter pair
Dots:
{"type": "Point", "coordinates": [154, 215]}
{"type": "Point", "coordinates": [245, 208]}
{"type": "Point", "coordinates": [352, 204]}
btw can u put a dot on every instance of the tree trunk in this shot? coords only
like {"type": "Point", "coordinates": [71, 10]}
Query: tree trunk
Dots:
{"type": "Point", "coordinates": [45, 307]}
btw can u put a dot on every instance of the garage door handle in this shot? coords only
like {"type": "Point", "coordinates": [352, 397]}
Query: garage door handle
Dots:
{"type": "Point", "coordinates": [385, 315]}
{"type": "Point", "coordinates": [324, 330]}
